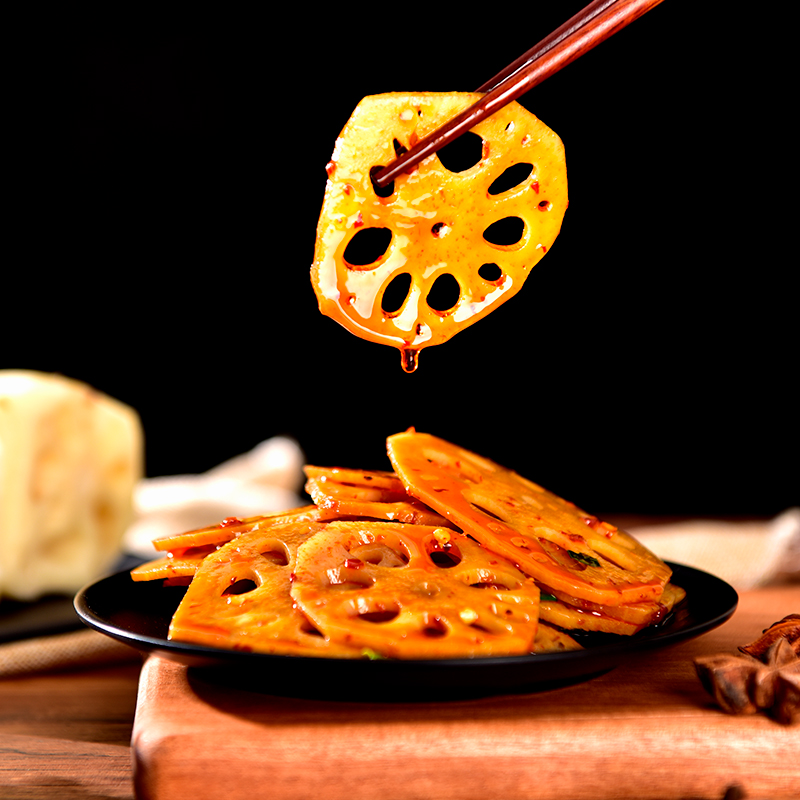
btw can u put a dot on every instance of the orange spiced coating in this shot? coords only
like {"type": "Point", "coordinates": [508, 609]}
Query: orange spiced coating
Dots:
{"type": "Point", "coordinates": [439, 249]}
{"type": "Point", "coordinates": [565, 550]}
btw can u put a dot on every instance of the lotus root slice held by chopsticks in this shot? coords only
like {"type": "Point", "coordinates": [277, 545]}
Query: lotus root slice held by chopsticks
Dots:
{"type": "Point", "coordinates": [564, 549]}
{"type": "Point", "coordinates": [438, 249]}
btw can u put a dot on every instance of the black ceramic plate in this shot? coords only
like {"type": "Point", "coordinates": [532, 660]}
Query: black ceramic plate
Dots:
{"type": "Point", "coordinates": [139, 613]}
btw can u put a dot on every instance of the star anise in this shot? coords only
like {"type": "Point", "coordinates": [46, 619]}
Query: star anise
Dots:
{"type": "Point", "coordinates": [766, 677]}
{"type": "Point", "coordinates": [788, 628]}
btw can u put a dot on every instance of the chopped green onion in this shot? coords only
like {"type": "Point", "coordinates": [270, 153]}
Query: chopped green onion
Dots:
{"type": "Point", "coordinates": [584, 559]}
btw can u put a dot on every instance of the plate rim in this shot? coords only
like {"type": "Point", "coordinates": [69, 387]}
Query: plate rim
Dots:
{"type": "Point", "coordinates": [186, 652]}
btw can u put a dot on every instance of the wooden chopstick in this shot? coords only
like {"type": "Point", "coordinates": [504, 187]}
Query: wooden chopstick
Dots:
{"type": "Point", "coordinates": [597, 22]}
{"type": "Point", "coordinates": [572, 25]}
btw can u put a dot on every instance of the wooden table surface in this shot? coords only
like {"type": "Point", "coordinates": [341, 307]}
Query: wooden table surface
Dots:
{"type": "Point", "coordinates": [68, 735]}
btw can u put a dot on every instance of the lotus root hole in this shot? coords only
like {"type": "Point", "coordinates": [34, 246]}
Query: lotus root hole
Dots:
{"type": "Point", "coordinates": [348, 579]}
{"type": "Point", "coordinates": [386, 615]}
{"type": "Point", "coordinates": [462, 153]}
{"type": "Point", "coordinates": [510, 178]}
{"type": "Point", "coordinates": [374, 610]}
{"type": "Point", "coordinates": [367, 246]}
{"type": "Point", "coordinates": [241, 586]}
{"type": "Point", "coordinates": [490, 272]}
{"type": "Point", "coordinates": [444, 294]}
{"type": "Point", "coordinates": [277, 554]}
{"type": "Point", "coordinates": [395, 294]}
{"type": "Point", "coordinates": [380, 555]}
{"type": "Point", "coordinates": [434, 628]}
{"type": "Point", "coordinates": [505, 232]}
{"type": "Point", "coordinates": [446, 558]}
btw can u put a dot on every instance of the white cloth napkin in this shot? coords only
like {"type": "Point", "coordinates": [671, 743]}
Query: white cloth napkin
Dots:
{"type": "Point", "coordinates": [745, 554]}
{"type": "Point", "coordinates": [264, 480]}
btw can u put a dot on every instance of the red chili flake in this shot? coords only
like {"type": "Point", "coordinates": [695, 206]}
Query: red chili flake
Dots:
{"type": "Point", "coordinates": [330, 168]}
{"type": "Point", "coordinates": [230, 521]}
{"type": "Point", "coordinates": [353, 563]}
{"type": "Point", "coordinates": [535, 186]}
{"type": "Point", "coordinates": [292, 577]}
{"type": "Point", "coordinates": [359, 221]}
{"type": "Point", "coordinates": [348, 189]}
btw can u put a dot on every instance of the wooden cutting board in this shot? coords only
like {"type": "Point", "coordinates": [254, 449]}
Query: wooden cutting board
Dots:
{"type": "Point", "coordinates": [644, 730]}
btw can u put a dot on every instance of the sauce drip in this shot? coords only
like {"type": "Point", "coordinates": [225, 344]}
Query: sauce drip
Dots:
{"type": "Point", "coordinates": [409, 358]}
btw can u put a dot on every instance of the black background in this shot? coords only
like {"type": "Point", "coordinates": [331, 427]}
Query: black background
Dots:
{"type": "Point", "coordinates": [168, 175]}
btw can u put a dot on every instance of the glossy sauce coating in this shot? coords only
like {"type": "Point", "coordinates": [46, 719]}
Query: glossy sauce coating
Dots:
{"type": "Point", "coordinates": [548, 538]}
{"type": "Point", "coordinates": [438, 223]}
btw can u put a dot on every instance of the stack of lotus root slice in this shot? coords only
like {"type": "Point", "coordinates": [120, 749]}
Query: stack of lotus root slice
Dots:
{"type": "Point", "coordinates": [448, 556]}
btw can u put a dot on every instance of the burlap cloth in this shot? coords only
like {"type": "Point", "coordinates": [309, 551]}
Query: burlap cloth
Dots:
{"type": "Point", "coordinates": [747, 555]}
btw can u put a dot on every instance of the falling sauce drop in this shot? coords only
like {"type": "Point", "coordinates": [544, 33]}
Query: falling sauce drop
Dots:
{"type": "Point", "coordinates": [409, 358]}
